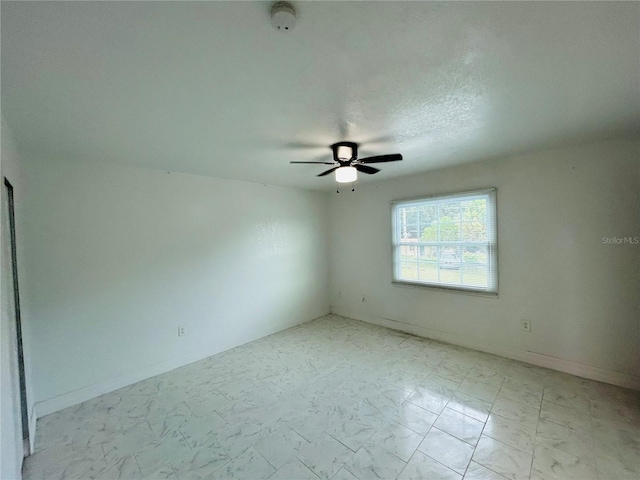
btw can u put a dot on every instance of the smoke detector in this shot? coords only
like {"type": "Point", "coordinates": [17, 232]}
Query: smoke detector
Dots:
{"type": "Point", "coordinates": [283, 16]}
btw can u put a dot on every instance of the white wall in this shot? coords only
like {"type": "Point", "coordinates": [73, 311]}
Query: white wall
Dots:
{"type": "Point", "coordinates": [554, 207]}
{"type": "Point", "coordinates": [119, 257]}
{"type": "Point", "coordinates": [11, 448]}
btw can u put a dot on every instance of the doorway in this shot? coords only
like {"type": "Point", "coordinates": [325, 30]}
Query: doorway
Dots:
{"type": "Point", "coordinates": [12, 296]}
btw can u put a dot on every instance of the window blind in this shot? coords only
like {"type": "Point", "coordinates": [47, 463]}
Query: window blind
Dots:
{"type": "Point", "coordinates": [447, 241]}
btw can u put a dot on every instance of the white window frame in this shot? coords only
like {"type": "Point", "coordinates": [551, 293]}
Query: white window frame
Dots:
{"type": "Point", "coordinates": [491, 243]}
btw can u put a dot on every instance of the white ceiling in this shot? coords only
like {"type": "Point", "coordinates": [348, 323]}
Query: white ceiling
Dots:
{"type": "Point", "coordinates": [211, 88]}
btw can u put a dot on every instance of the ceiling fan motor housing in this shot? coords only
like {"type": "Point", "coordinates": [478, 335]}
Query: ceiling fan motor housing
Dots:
{"type": "Point", "coordinates": [344, 151]}
{"type": "Point", "coordinates": [283, 16]}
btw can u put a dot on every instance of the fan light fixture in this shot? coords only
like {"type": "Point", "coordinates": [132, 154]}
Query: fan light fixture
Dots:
{"type": "Point", "coordinates": [346, 175]}
{"type": "Point", "coordinates": [346, 164]}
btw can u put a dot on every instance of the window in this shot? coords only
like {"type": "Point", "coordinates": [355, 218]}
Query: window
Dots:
{"type": "Point", "coordinates": [447, 241]}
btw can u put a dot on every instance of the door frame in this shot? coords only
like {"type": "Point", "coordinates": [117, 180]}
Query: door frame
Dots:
{"type": "Point", "coordinates": [24, 408]}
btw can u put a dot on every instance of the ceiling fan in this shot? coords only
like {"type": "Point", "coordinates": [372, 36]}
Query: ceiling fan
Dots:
{"type": "Point", "coordinates": [346, 163]}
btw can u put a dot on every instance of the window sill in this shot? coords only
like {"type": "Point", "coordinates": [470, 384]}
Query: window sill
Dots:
{"type": "Point", "coordinates": [444, 288]}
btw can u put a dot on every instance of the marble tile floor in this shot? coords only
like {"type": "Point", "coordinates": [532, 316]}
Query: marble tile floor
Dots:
{"type": "Point", "coordinates": [341, 399]}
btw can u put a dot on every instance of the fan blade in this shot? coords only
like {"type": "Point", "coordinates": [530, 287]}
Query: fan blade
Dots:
{"type": "Point", "coordinates": [328, 171]}
{"type": "Point", "coordinates": [317, 163]}
{"type": "Point", "coordinates": [366, 169]}
{"type": "Point", "coordinates": [394, 157]}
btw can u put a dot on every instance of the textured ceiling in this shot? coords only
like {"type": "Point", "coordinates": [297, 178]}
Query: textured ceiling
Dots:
{"type": "Point", "coordinates": [211, 88]}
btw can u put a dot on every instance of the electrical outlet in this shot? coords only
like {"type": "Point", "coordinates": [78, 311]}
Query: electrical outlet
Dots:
{"type": "Point", "coordinates": [181, 331]}
{"type": "Point", "coordinates": [340, 294]}
{"type": "Point", "coordinates": [526, 325]}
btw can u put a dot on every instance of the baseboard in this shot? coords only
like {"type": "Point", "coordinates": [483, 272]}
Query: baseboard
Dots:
{"type": "Point", "coordinates": [83, 394]}
{"type": "Point", "coordinates": [32, 429]}
{"type": "Point", "coordinates": [554, 363]}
